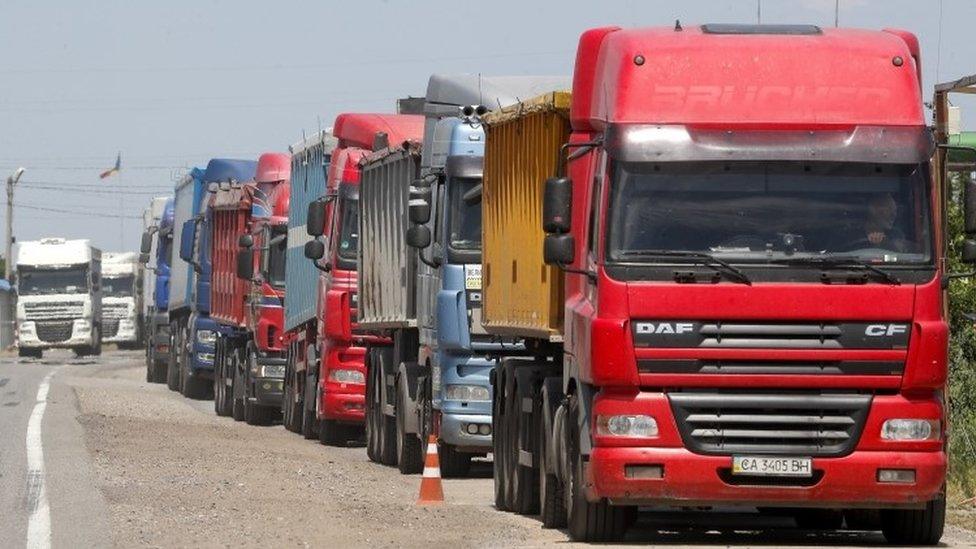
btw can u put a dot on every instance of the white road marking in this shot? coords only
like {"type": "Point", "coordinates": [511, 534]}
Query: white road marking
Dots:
{"type": "Point", "coordinates": [39, 522]}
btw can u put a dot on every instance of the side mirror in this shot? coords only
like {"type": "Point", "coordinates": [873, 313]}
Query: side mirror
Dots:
{"type": "Point", "coordinates": [419, 211]}
{"type": "Point", "coordinates": [143, 258]}
{"type": "Point", "coordinates": [969, 207]}
{"type": "Point", "coordinates": [969, 251]}
{"type": "Point", "coordinates": [559, 249]}
{"type": "Point", "coordinates": [418, 236]}
{"type": "Point", "coordinates": [315, 224]}
{"type": "Point", "coordinates": [557, 205]}
{"type": "Point", "coordinates": [245, 241]}
{"type": "Point", "coordinates": [314, 250]}
{"type": "Point", "coordinates": [146, 245]}
{"type": "Point", "coordinates": [245, 264]}
{"type": "Point", "coordinates": [187, 239]}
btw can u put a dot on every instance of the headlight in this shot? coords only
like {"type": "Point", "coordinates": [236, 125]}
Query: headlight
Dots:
{"type": "Point", "coordinates": [911, 429]}
{"type": "Point", "coordinates": [626, 426]}
{"type": "Point", "coordinates": [273, 370]}
{"type": "Point", "coordinates": [206, 337]}
{"type": "Point", "coordinates": [467, 392]}
{"type": "Point", "coordinates": [347, 376]}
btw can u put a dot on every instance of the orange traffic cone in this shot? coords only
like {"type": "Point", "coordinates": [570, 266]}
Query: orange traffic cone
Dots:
{"type": "Point", "coordinates": [431, 492]}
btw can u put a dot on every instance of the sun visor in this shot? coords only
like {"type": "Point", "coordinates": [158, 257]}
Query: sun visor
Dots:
{"type": "Point", "coordinates": [675, 143]}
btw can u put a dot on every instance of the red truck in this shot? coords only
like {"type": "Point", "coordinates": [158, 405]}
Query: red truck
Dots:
{"type": "Point", "coordinates": [339, 347]}
{"type": "Point", "coordinates": [746, 262]}
{"type": "Point", "coordinates": [249, 223]}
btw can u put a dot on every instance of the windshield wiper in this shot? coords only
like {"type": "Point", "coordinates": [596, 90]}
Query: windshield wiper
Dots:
{"type": "Point", "coordinates": [839, 262]}
{"type": "Point", "coordinates": [708, 260]}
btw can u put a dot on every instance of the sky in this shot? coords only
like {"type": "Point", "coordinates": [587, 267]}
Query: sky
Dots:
{"type": "Point", "coordinates": [172, 84]}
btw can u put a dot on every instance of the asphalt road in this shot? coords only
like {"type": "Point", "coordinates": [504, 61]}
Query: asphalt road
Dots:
{"type": "Point", "coordinates": [126, 463]}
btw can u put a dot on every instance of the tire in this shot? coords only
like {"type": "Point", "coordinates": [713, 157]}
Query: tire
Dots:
{"type": "Point", "coordinates": [915, 526]}
{"type": "Point", "coordinates": [525, 479]}
{"type": "Point", "coordinates": [510, 429]}
{"type": "Point", "coordinates": [258, 415]}
{"type": "Point", "coordinates": [310, 424]}
{"type": "Point", "coordinates": [96, 348]}
{"type": "Point", "coordinates": [410, 452]}
{"type": "Point", "coordinates": [223, 399]}
{"type": "Point", "coordinates": [454, 464]}
{"type": "Point", "coordinates": [373, 409]}
{"type": "Point", "coordinates": [172, 365]}
{"type": "Point", "coordinates": [291, 405]}
{"type": "Point", "coordinates": [498, 442]}
{"type": "Point", "coordinates": [29, 353]}
{"type": "Point", "coordinates": [237, 386]}
{"type": "Point", "coordinates": [552, 508]}
{"type": "Point", "coordinates": [586, 521]}
{"type": "Point", "coordinates": [194, 388]}
{"type": "Point", "coordinates": [818, 519]}
{"type": "Point", "coordinates": [332, 433]}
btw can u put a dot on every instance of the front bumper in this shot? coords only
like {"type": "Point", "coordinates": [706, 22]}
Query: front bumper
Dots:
{"type": "Point", "coordinates": [454, 431]}
{"type": "Point", "coordinates": [344, 402]}
{"type": "Point", "coordinates": [126, 333]}
{"type": "Point", "coordinates": [267, 390]}
{"type": "Point", "coordinates": [691, 479]}
{"type": "Point", "coordinates": [81, 335]}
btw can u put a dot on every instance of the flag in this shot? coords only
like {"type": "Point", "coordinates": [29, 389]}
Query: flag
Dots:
{"type": "Point", "coordinates": [114, 170]}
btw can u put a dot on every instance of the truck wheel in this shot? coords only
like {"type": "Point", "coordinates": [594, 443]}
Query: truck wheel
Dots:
{"type": "Point", "coordinates": [310, 424]}
{"type": "Point", "coordinates": [291, 406]}
{"type": "Point", "coordinates": [525, 480]}
{"type": "Point", "coordinates": [237, 386]}
{"type": "Point", "coordinates": [223, 398]}
{"type": "Point", "coordinates": [552, 509]}
{"type": "Point", "coordinates": [96, 349]}
{"type": "Point", "coordinates": [332, 433]}
{"type": "Point", "coordinates": [24, 352]}
{"type": "Point", "coordinates": [454, 464]}
{"type": "Point", "coordinates": [915, 526]}
{"type": "Point", "coordinates": [172, 367]}
{"type": "Point", "coordinates": [410, 453]}
{"type": "Point", "coordinates": [818, 519]}
{"type": "Point", "coordinates": [588, 521]}
{"type": "Point", "coordinates": [372, 421]}
{"type": "Point", "coordinates": [498, 442]}
{"type": "Point", "coordinates": [194, 388]}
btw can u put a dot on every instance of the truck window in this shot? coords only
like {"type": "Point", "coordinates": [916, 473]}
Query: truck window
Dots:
{"type": "Point", "coordinates": [465, 221]}
{"type": "Point", "coordinates": [53, 281]}
{"type": "Point", "coordinates": [277, 250]}
{"type": "Point", "coordinates": [757, 212]}
{"type": "Point", "coordinates": [348, 231]}
{"type": "Point", "coordinates": [120, 286]}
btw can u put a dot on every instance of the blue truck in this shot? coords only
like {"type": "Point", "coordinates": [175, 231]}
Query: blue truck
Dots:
{"type": "Point", "coordinates": [193, 332]}
{"type": "Point", "coordinates": [309, 168]}
{"type": "Point", "coordinates": [432, 376]}
{"type": "Point", "coordinates": [157, 250]}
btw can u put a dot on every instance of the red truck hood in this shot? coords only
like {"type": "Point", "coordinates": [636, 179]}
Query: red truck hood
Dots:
{"type": "Point", "coordinates": [871, 336]}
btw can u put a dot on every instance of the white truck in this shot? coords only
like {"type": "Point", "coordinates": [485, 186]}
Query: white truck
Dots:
{"type": "Point", "coordinates": [122, 299]}
{"type": "Point", "coordinates": [59, 287]}
{"type": "Point", "coordinates": [151, 217]}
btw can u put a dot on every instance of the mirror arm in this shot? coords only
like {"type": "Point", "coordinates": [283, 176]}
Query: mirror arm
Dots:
{"type": "Point", "coordinates": [429, 262]}
{"type": "Point", "coordinates": [949, 277]}
{"type": "Point", "coordinates": [581, 149]}
{"type": "Point", "coordinates": [587, 273]}
{"type": "Point", "coordinates": [327, 268]}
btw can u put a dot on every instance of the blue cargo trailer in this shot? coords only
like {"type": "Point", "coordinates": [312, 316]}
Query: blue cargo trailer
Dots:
{"type": "Point", "coordinates": [309, 168]}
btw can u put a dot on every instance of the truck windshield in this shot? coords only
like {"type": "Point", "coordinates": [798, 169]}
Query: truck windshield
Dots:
{"type": "Point", "coordinates": [764, 212]}
{"type": "Point", "coordinates": [465, 221]}
{"type": "Point", "coordinates": [277, 250]}
{"type": "Point", "coordinates": [71, 280]}
{"type": "Point", "coordinates": [348, 231]}
{"type": "Point", "coordinates": [120, 286]}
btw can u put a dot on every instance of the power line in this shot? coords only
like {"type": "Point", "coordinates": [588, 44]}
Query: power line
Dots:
{"type": "Point", "coordinates": [59, 210]}
{"type": "Point", "coordinates": [65, 188]}
{"type": "Point", "coordinates": [280, 67]}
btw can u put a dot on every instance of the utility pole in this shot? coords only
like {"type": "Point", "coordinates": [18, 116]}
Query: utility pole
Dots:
{"type": "Point", "coordinates": [8, 257]}
{"type": "Point", "coordinates": [836, 13]}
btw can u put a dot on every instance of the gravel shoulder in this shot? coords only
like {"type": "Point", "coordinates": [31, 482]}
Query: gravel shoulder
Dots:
{"type": "Point", "coordinates": [172, 473]}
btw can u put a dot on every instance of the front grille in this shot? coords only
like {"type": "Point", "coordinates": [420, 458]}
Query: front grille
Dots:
{"type": "Point", "coordinates": [720, 334]}
{"type": "Point", "coordinates": [790, 423]}
{"type": "Point", "coordinates": [770, 367]}
{"type": "Point", "coordinates": [115, 310]}
{"type": "Point", "coordinates": [54, 331]}
{"type": "Point", "coordinates": [51, 310]}
{"type": "Point", "coordinates": [110, 328]}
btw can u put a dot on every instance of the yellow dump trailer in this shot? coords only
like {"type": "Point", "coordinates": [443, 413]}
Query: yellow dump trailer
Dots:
{"type": "Point", "coordinates": [522, 295]}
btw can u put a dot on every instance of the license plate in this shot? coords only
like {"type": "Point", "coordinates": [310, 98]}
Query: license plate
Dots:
{"type": "Point", "coordinates": [771, 466]}
{"type": "Point", "coordinates": [274, 371]}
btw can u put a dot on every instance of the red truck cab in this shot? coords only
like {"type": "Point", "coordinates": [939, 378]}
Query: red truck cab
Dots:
{"type": "Point", "coordinates": [754, 301]}
{"type": "Point", "coordinates": [340, 394]}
